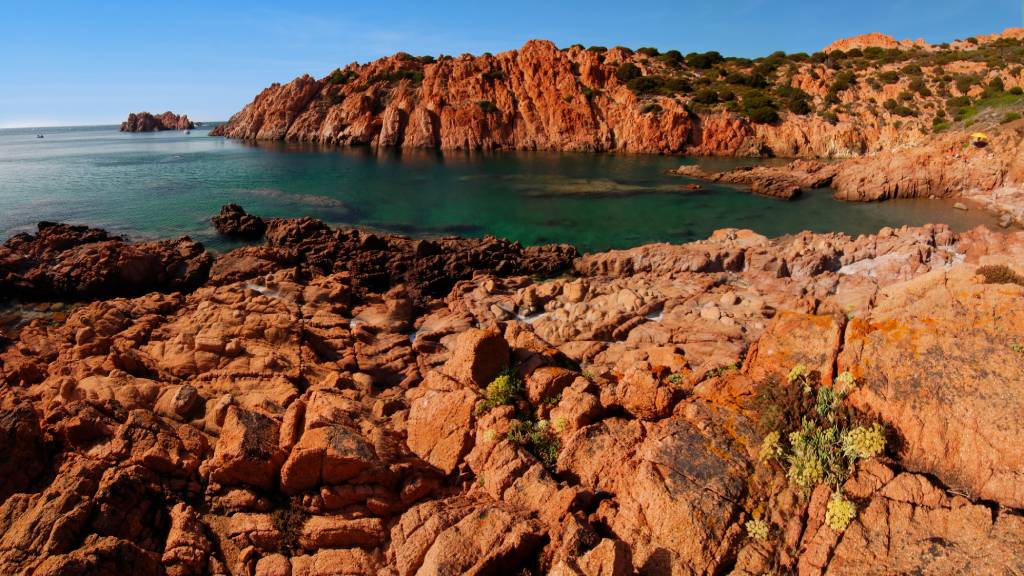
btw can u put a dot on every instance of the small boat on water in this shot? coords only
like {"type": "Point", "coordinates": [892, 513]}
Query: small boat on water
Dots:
{"type": "Point", "coordinates": [187, 132]}
{"type": "Point", "coordinates": [39, 136]}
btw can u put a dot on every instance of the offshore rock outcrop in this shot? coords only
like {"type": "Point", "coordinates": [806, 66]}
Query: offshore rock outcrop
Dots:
{"type": "Point", "coordinates": [301, 419]}
{"type": "Point", "coordinates": [234, 222]}
{"type": "Point", "coordinates": [146, 122]}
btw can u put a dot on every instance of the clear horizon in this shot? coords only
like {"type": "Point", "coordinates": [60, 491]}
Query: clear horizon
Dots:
{"type": "Point", "coordinates": [79, 65]}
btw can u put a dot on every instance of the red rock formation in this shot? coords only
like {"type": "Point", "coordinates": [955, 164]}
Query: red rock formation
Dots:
{"type": "Point", "coordinates": [785, 182]}
{"type": "Point", "coordinates": [234, 222]}
{"type": "Point", "coordinates": [146, 122]}
{"type": "Point", "coordinates": [303, 420]}
{"type": "Point", "coordinates": [875, 40]}
{"type": "Point", "coordinates": [75, 262]}
{"type": "Point", "coordinates": [536, 98]}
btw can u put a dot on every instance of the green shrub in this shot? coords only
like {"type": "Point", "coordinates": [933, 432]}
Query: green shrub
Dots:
{"type": "Point", "coordinates": [506, 388]}
{"type": "Point", "coordinates": [995, 88]}
{"type": "Point", "coordinates": [645, 84]}
{"type": "Point", "coordinates": [672, 57]}
{"type": "Point", "coordinates": [843, 81]}
{"type": "Point", "coordinates": [965, 81]}
{"type": "Point", "coordinates": [839, 512]}
{"type": "Point", "coordinates": [757, 529]}
{"type": "Point", "coordinates": [1017, 91]}
{"type": "Point", "coordinates": [588, 93]}
{"type": "Point", "coordinates": [703, 61]}
{"type": "Point", "coordinates": [1000, 274]}
{"type": "Point", "coordinates": [824, 440]}
{"type": "Point", "coordinates": [494, 74]}
{"type": "Point", "coordinates": [289, 522]}
{"type": "Point", "coordinates": [905, 111]}
{"type": "Point", "coordinates": [538, 438]}
{"type": "Point", "coordinates": [415, 76]}
{"type": "Point", "coordinates": [830, 117]}
{"type": "Point", "coordinates": [627, 71]}
{"type": "Point", "coordinates": [798, 106]}
{"type": "Point", "coordinates": [340, 76]}
{"type": "Point", "coordinates": [760, 108]}
{"type": "Point", "coordinates": [1009, 117]}
{"type": "Point", "coordinates": [673, 85]}
{"type": "Point", "coordinates": [425, 59]}
{"type": "Point", "coordinates": [598, 49]}
{"type": "Point", "coordinates": [706, 96]}
{"type": "Point", "coordinates": [874, 52]}
{"type": "Point", "coordinates": [650, 108]}
{"type": "Point", "coordinates": [646, 51]}
{"type": "Point", "coordinates": [912, 70]}
{"type": "Point", "coordinates": [889, 77]}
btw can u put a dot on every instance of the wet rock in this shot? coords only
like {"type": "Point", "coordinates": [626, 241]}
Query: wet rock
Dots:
{"type": "Point", "coordinates": [234, 222]}
{"type": "Point", "coordinates": [62, 262]}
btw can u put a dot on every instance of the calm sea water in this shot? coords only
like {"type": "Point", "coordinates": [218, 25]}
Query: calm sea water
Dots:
{"type": "Point", "coordinates": [168, 184]}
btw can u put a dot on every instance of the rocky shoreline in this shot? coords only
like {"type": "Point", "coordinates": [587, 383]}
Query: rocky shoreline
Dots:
{"type": "Point", "coordinates": [334, 401]}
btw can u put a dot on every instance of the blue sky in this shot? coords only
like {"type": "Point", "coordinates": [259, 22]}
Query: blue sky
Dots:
{"type": "Point", "coordinates": [75, 62]}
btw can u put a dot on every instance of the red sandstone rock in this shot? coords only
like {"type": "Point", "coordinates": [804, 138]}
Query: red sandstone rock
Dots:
{"type": "Point", "coordinates": [146, 122]}
{"type": "Point", "coordinates": [233, 221]}
{"type": "Point", "coordinates": [252, 427]}
{"type": "Point", "coordinates": [75, 262]}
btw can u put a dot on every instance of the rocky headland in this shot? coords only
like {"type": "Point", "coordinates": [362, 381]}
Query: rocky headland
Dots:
{"type": "Point", "coordinates": [872, 117]}
{"type": "Point", "coordinates": [859, 96]}
{"type": "Point", "coordinates": [146, 122]}
{"type": "Point", "coordinates": [341, 402]}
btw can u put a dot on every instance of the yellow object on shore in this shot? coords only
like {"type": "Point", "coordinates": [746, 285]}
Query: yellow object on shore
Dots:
{"type": "Point", "coordinates": [979, 139]}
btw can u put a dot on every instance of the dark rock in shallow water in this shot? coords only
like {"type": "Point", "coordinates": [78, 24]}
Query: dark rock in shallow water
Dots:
{"type": "Point", "coordinates": [235, 223]}
{"type": "Point", "coordinates": [63, 262]}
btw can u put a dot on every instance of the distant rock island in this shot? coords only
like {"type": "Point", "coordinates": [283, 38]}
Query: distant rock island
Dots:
{"type": "Point", "coordinates": [146, 122]}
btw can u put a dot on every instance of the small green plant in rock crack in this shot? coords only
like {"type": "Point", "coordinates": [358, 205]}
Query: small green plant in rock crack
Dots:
{"type": "Point", "coordinates": [757, 529]}
{"type": "Point", "coordinates": [506, 388]}
{"type": "Point", "coordinates": [538, 438]}
{"type": "Point", "coordinates": [289, 521]}
{"type": "Point", "coordinates": [808, 430]}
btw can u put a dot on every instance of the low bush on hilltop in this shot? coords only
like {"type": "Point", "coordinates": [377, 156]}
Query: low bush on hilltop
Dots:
{"type": "Point", "coordinates": [1000, 274]}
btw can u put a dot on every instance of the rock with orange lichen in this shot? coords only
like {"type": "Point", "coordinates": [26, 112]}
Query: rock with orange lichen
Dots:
{"type": "Point", "coordinates": [934, 354]}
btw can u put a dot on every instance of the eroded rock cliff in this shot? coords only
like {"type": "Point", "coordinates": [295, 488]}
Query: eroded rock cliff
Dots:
{"type": "Point", "coordinates": [826, 105]}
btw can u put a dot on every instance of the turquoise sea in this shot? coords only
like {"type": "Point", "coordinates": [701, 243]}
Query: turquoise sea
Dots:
{"type": "Point", "coordinates": [168, 184]}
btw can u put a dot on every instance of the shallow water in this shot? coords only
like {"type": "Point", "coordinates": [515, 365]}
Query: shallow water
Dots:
{"type": "Point", "coordinates": [167, 184]}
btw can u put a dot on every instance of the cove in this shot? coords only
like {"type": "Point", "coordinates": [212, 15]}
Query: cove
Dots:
{"type": "Point", "coordinates": [160, 185]}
